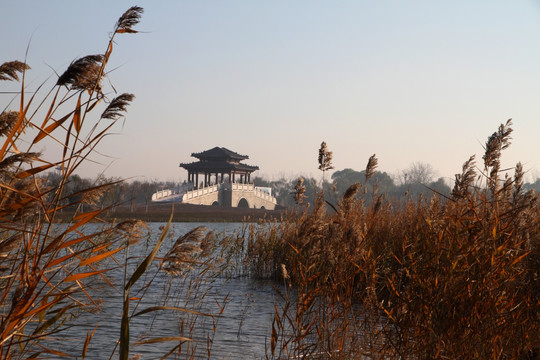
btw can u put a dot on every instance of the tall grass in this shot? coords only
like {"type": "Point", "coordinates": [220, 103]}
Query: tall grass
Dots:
{"type": "Point", "coordinates": [47, 269]}
{"type": "Point", "coordinates": [448, 278]}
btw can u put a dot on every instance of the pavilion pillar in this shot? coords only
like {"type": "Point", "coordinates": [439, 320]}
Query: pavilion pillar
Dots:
{"type": "Point", "coordinates": [196, 180]}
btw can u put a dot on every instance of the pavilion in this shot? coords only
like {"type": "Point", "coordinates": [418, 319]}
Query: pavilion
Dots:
{"type": "Point", "coordinates": [218, 165]}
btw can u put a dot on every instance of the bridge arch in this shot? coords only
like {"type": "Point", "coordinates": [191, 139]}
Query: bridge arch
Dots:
{"type": "Point", "coordinates": [216, 203]}
{"type": "Point", "coordinates": [243, 203]}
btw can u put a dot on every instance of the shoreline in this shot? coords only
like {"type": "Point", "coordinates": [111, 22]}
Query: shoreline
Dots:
{"type": "Point", "coordinates": [183, 213]}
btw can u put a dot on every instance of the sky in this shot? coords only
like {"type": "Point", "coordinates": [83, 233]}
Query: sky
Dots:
{"type": "Point", "coordinates": [410, 81]}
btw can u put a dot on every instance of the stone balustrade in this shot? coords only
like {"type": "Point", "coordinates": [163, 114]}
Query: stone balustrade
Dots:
{"type": "Point", "coordinates": [253, 194]}
{"type": "Point", "coordinates": [161, 194]}
{"type": "Point", "coordinates": [200, 192]}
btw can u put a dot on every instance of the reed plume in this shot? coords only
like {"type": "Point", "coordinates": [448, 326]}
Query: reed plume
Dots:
{"type": "Point", "coordinates": [183, 253]}
{"type": "Point", "coordinates": [8, 119]}
{"type": "Point", "coordinates": [325, 158]}
{"type": "Point", "coordinates": [128, 20]}
{"type": "Point", "coordinates": [9, 70]}
{"type": "Point", "coordinates": [51, 266]}
{"type": "Point", "coordinates": [465, 180]}
{"type": "Point", "coordinates": [28, 157]}
{"type": "Point", "coordinates": [351, 191]}
{"type": "Point", "coordinates": [117, 107]}
{"type": "Point", "coordinates": [498, 141]}
{"type": "Point", "coordinates": [448, 278]}
{"type": "Point", "coordinates": [371, 167]}
{"type": "Point", "coordinates": [208, 244]}
{"type": "Point", "coordinates": [299, 191]}
{"type": "Point", "coordinates": [83, 74]}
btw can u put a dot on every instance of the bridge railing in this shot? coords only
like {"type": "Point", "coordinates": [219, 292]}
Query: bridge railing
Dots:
{"type": "Point", "coordinates": [214, 188]}
{"type": "Point", "coordinates": [237, 186]}
{"type": "Point", "coordinates": [165, 193]}
{"type": "Point", "coordinates": [202, 191]}
{"type": "Point", "coordinates": [264, 195]}
{"type": "Point", "coordinates": [161, 194]}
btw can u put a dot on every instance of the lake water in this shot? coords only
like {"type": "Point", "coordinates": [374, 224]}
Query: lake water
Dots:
{"type": "Point", "coordinates": [241, 331]}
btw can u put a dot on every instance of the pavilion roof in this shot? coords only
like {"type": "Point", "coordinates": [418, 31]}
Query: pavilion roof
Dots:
{"type": "Point", "coordinates": [217, 167]}
{"type": "Point", "coordinates": [219, 153]}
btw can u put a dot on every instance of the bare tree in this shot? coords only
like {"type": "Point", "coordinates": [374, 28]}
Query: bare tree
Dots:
{"type": "Point", "coordinates": [417, 173]}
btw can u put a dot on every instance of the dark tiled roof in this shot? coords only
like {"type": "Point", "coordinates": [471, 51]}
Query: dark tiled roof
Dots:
{"type": "Point", "coordinates": [217, 166]}
{"type": "Point", "coordinates": [220, 153]}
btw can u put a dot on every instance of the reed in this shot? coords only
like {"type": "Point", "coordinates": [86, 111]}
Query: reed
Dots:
{"type": "Point", "coordinates": [47, 269]}
{"type": "Point", "coordinates": [449, 278]}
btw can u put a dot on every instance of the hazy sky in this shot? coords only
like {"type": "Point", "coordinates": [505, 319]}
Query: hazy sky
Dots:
{"type": "Point", "coordinates": [410, 80]}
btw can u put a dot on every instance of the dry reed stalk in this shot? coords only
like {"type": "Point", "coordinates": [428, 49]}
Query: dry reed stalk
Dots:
{"type": "Point", "coordinates": [445, 278]}
{"type": "Point", "coordinates": [49, 266]}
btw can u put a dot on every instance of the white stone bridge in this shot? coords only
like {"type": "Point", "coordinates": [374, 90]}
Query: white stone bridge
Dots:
{"type": "Point", "coordinates": [225, 181]}
{"type": "Point", "coordinates": [223, 194]}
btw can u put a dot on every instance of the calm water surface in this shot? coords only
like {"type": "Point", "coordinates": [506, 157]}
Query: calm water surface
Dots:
{"type": "Point", "coordinates": [239, 332]}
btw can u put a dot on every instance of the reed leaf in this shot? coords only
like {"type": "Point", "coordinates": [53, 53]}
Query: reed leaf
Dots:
{"type": "Point", "coordinates": [49, 129]}
{"type": "Point", "coordinates": [83, 275]}
{"type": "Point", "coordinates": [33, 171]}
{"type": "Point", "coordinates": [77, 116]}
{"type": "Point", "coordinates": [100, 257]}
{"type": "Point", "coordinates": [141, 269]}
{"type": "Point", "coordinates": [148, 260]}
{"type": "Point", "coordinates": [89, 336]}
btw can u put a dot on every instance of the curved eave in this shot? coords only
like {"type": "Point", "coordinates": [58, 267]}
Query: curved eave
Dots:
{"type": "Point", "coordinates": [219, 167]}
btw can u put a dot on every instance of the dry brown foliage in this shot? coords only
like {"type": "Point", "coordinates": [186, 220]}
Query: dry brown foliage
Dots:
{"type": "Point", "coordinates": [45, 267]}
{"type": "Point", "coordinates": [440, 279]}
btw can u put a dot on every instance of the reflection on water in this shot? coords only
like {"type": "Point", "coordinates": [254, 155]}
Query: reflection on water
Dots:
{"type": "Point", "coordinates": [239, 332]}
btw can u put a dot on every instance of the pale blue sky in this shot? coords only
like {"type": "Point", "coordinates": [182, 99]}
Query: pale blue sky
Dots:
{"type": "Point", "coordinates": [411, 81]}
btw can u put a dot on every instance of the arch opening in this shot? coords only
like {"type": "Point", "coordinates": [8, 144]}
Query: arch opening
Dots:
{"type": "Point", "coordinates": [243, 203]}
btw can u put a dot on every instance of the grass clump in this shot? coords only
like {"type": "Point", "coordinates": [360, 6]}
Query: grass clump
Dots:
{"type": "Point", "coordinates": [46, 268]}
{"type": "Point", "coordinates": [51, 273]}
{"type": "Point", "coordinates": [450, 277]}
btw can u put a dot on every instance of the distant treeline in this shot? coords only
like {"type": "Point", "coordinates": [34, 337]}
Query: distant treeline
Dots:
{"type": "Point", "coordinates": [412, 186]}
{"type": "Point", "coordinates": [418, 181]}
